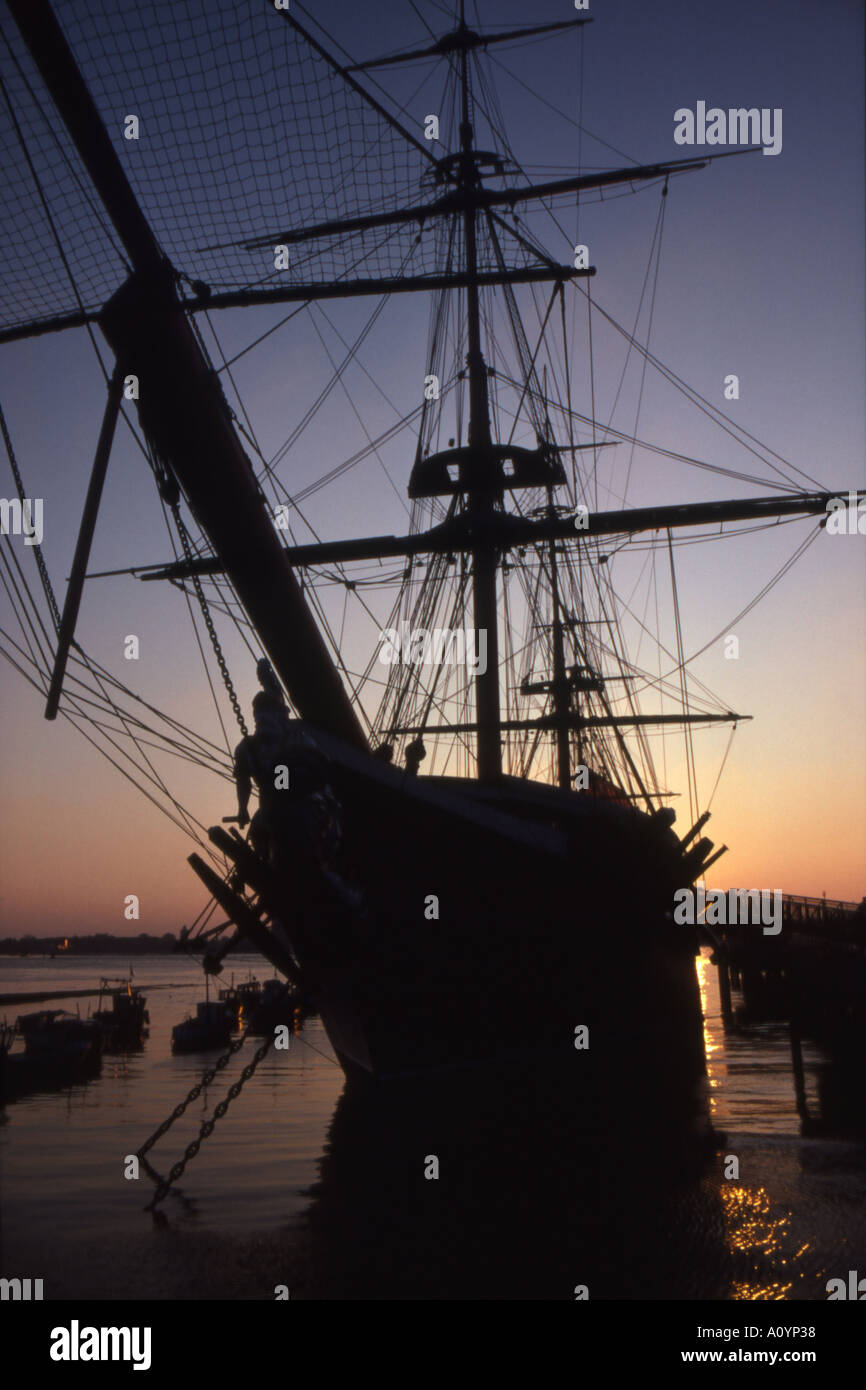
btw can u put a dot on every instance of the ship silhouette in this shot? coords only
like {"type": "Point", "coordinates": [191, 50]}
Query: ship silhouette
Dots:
{"type": "Point", "coordinates": [502, 897]}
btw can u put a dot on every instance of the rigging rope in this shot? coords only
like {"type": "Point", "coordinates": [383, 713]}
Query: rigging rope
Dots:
{"type": "Point", "coordinates": [37, 549]}
{"type": "Point", "coordinates": [722, 767]}
{"type": "Point", "coordinates": [174, 504]}
{"type": "Point", "coordinates": [691, 775]}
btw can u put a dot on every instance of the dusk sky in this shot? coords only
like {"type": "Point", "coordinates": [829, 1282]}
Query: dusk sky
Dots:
{"type": "Point", "coordinates": [761, 274]}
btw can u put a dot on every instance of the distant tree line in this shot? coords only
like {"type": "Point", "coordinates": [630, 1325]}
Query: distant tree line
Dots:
{"type": "Point", "coordinates": [101, 944]}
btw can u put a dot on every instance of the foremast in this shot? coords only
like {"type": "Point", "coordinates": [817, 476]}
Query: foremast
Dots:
{"type": "Point", "coordinates": [184, 413]}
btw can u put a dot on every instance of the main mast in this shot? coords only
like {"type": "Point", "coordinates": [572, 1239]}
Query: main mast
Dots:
{"type": "Point", "coordinates": [481, 499]}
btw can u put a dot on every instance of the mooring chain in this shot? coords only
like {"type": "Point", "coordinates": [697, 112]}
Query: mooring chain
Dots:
{"type": "Point", "coordinates": [193, 1095]}
{"type": "Point", "coordinates": [207, 1127]}
{"type": "Point", "coordinates": [205, 612]}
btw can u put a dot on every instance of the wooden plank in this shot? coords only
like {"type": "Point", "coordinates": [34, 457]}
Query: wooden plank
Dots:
{"type": "Point", "coordinates": [245, 919]}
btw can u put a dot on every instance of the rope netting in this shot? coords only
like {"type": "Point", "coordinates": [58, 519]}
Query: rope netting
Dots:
{"type": "Point", "coordinates": [246, 132]}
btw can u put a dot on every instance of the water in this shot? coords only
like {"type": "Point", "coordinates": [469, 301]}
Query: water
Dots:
{"type": "Point", "coordinates": [301, 1185]}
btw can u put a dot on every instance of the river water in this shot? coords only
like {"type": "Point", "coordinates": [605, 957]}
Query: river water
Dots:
{"type": "Point", "coordinates": [296, 1187]}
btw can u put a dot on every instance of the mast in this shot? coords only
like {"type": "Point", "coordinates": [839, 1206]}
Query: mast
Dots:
{"type": "Point", "coordinates": [560, 685]}
{"type": "Point", "coordinates": [481, 500]}
{"type": "Point", "coordinates": [560, 682]}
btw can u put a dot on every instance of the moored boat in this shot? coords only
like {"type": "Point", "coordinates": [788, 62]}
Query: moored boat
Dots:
{"type": "Point", "coordinates": [212, 1027]}
{"type": "Point", "coordinates": [278, 1003]}
{"type": "Point", "coordinates": [125, 1025]}
{"type": "Point", "coordinates": [54, 1037]}
{"type": "Point", "coordinates": [242, 999]}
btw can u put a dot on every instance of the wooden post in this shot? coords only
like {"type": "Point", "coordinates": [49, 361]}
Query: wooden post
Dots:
{"type": "Point", "coordinates": [725, 990]}
{"type": "Point", "coordinates": [246, 921]}
{"type": "Point", "coordinates": [799, 1075]}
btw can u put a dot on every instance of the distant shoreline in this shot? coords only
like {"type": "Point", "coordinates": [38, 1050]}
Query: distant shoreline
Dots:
{"type": "Point", "coordinates": [100, 945]}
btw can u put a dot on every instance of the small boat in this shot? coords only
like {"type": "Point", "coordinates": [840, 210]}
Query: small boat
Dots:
{"type": "Point", "coordinates": [60, 1049]}
{"type": "Point", "coordinates": [242, 1000]}
{"type": "Point", "coordinates": [278, 1003]}
{"type": "Point", "coordinates": [56, 1038]}
{"type": "Point", "coordinates": [125, 1025]}
{"type": "Point", "coordinates": [212, 1027]}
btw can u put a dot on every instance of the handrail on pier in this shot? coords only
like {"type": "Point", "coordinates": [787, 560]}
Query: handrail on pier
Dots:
{"type": "Point", "coordinates": [818, 909]}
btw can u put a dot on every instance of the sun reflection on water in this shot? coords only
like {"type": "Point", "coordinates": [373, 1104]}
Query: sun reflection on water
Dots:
{"type": "Point", "coordinates": [760, 1231]}
{"type": "Point", "coordinates": [714, 1051]}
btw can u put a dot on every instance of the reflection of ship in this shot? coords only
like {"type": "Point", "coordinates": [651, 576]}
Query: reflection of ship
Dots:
{"type": "Point", "coordinates": [515, 903]}
{"type": "Point", "coordinates": [531, 1202]}
{"type": "Point", "coordinates": [125, 1025]}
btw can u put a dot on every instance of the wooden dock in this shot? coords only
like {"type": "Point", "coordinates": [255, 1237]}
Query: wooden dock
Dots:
{"type": "Point", "coordinates": [811, 976]}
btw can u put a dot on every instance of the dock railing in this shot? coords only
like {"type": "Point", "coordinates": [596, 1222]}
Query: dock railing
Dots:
{"type": "Point", "coordinates": [819, 909]}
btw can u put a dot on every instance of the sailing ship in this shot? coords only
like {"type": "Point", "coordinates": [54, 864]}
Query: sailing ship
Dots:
{"type": "Point", "coordinates": [508, 905]}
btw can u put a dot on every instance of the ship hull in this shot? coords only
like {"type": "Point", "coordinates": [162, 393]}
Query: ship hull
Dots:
{"type": "Point", "coordinates": [519, 928]}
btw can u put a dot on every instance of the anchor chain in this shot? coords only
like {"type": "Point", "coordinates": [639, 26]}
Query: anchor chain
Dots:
{"type": "Point", "coordinates": [205, 612]}
{"type": "Point", "coordinates": [207, 1126]}
{"type": "Point", "coordinates": [194, 1094]}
